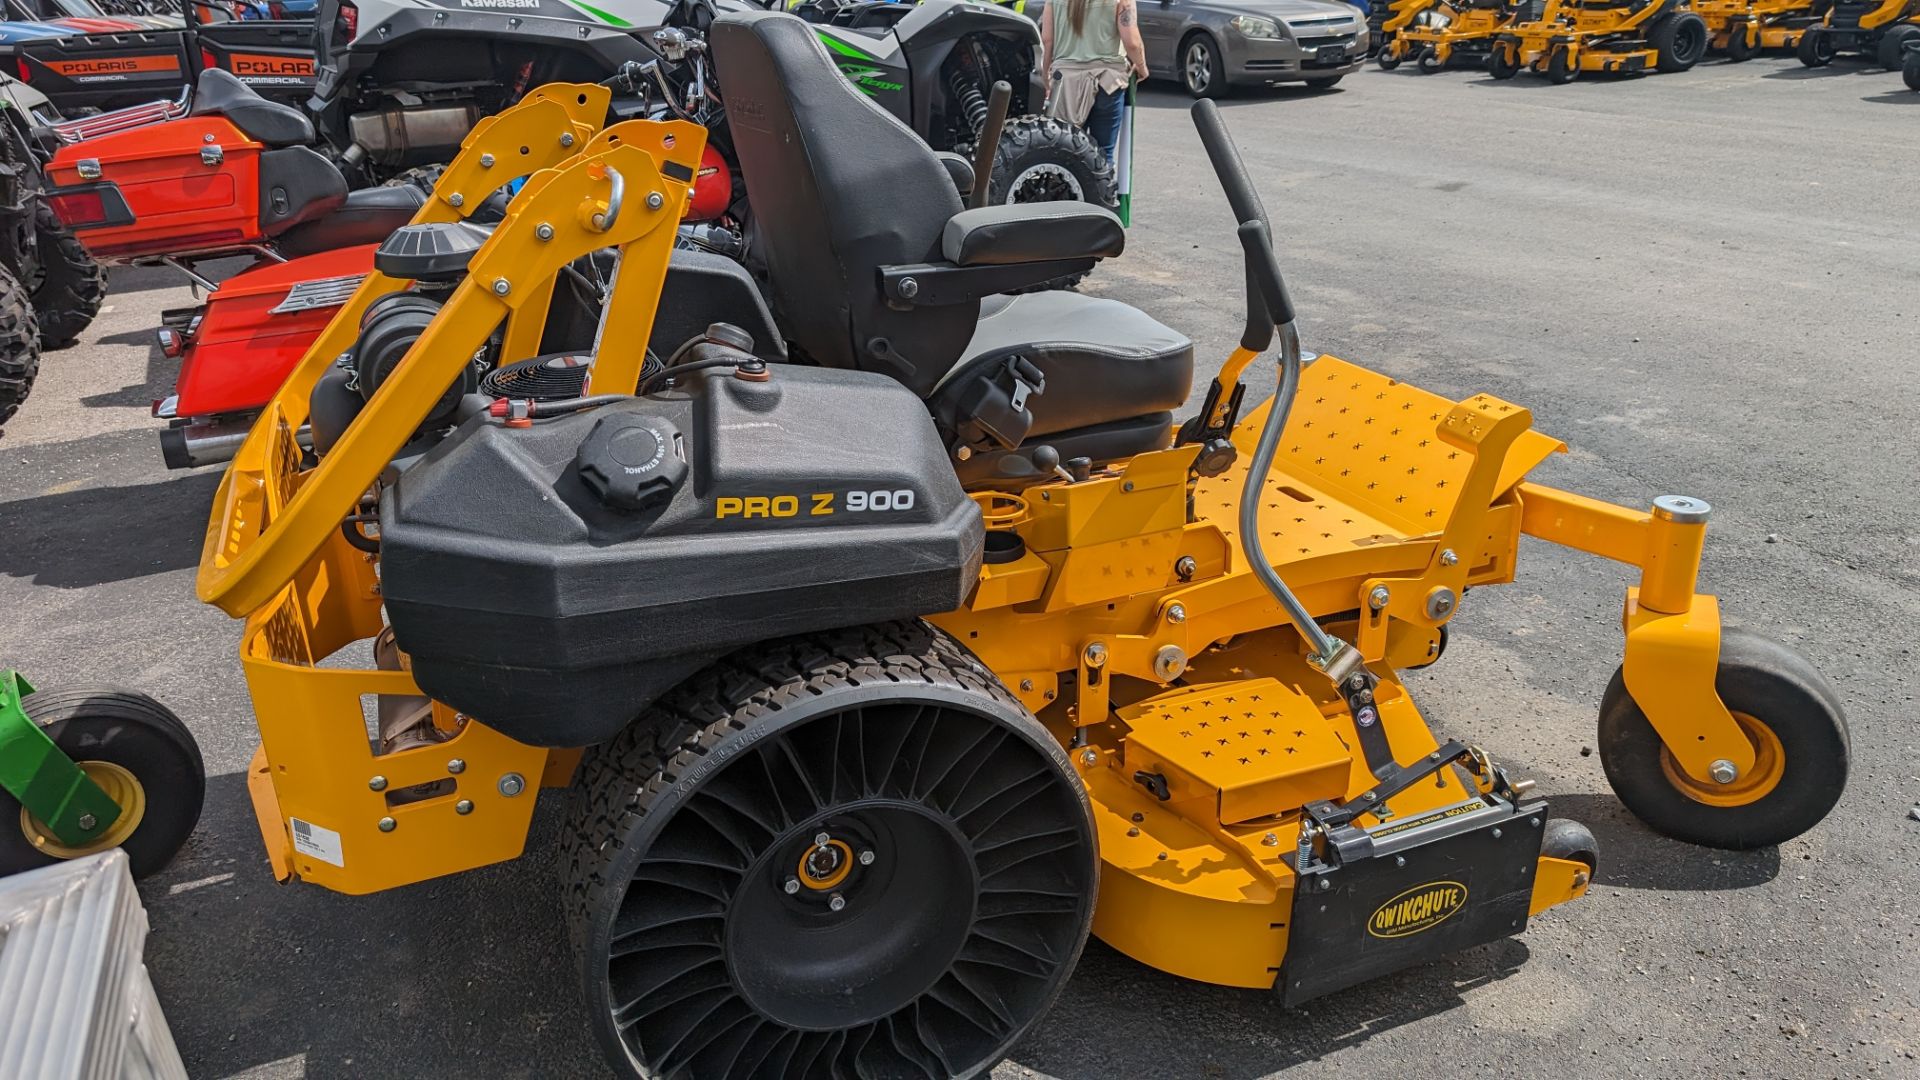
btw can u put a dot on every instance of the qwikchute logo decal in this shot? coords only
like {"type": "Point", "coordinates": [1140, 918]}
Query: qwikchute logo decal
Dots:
{"type": "Point", "coordinates": [1420, 908]}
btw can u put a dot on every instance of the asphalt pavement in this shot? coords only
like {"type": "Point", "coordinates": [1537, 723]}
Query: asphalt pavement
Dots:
{"type": "Point", "coordinates": [1705, 283]}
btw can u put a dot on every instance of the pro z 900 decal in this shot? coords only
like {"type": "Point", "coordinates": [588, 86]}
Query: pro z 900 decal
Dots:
{"type": "Point", "coordinates": [814, 504]}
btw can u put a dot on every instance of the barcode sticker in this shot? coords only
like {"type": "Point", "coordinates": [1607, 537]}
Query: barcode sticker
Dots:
{"type": "Point", "coordinates": [318, 841]}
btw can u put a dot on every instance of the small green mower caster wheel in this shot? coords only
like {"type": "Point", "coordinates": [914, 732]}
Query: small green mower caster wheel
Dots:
{"type": "Point", "coordinates": [139, 753]}
{"type": "Point", "coordinates": [1800, 753]}
{"type": "Point", "coordinates": [1815, 49]}
{"type": "Point", "coordinates": [1561, 69]}
{"type": "Point", "coordinates": [1429, 61]}
{"type": "Point", "coordinates": [1565, 838]}
{"type": "Point", "coordinates": [1501, 64]}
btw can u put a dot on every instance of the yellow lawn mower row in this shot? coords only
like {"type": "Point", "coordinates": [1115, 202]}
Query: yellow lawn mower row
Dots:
{"type": "Point", "coordinates": [875, 684]}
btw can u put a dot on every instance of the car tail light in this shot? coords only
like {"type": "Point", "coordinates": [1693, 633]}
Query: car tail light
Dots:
{"type": "Point", "coordinates": [78, 209]}
{"type": "Point", "coordinates": [170, 342]}
{"type": "Point", "coordinates": [349, 21]}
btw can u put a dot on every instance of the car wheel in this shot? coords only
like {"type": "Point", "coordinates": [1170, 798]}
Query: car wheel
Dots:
{"type": "Point", "coordinates": [1201, 69]}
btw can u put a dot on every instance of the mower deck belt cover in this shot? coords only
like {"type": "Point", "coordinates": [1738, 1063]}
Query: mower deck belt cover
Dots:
{"type": "Point", "coordinates": [563, 602]}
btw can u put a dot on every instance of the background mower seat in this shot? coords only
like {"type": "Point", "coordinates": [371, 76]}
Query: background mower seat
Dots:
{"type": "Point", "coordinates": [876, 265]}
{"type": "Point", "coordinates": [219, 93]}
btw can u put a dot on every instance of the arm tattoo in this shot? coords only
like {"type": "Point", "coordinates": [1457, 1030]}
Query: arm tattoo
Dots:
{"type": "Point", "coordinates": [1126, 13]}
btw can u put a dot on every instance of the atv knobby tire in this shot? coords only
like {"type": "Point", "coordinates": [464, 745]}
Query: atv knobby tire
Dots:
{"type": "Point", "coordinates": [1042, 159]}
{"type": "Point", "coordinates": [68, 286]}
{"type": "Point", "coordinates": [848, 853]}
{"type": "Point", "coordinates": [19, 345]}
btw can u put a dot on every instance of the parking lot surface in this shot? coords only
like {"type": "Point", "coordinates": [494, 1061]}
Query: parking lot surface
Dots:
{"type": "Point", "coordinates": [1705, 283]}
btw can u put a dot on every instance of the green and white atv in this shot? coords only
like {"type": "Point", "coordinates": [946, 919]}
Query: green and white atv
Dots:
{"type": "Point", "coordinates": [399, 82]}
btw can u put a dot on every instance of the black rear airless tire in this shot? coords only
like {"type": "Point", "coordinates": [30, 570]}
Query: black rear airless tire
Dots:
{"type": "Point", "coordinates": [134, 748]}
{"type": "Point", "coordinates": [68, 286]}
{"type": "Point", "coordinates": [19, 345]}
{"type": "Point", "coordinates": [843, 854]}
{"type": "Point", "coordinates": [1202, 71]}
{"type": "Point", "coordinates": [1679, 41]}
{"type": "Point", "coordinates": [1892, 49]}
{"type": "Point", "coordinates": [1815, 48]}
{"type": "Point", "coordinates": [1800, 741]}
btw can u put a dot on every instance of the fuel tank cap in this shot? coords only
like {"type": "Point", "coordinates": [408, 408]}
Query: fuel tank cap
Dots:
{"type": "Point", "coordinates": [631, 462]}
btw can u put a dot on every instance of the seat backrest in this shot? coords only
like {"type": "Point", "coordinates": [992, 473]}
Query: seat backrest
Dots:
{"type": "Point", "coordinates": [839, 188]}
{"type": "Point", "coordinates": [219, 93]}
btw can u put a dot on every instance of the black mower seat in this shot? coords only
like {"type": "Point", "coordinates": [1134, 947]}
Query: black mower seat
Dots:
{"type": "Point", "coordinates": [1102, 359]}
{"type": "Point", "coordinates": [876, 265]}
{"type": "Point", "coordinates": [219, 93]}
{"type": "Point", "coordinates": [368, 216]}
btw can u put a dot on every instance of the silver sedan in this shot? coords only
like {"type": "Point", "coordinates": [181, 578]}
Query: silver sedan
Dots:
{"type": "Point", "coordinates": [1210, 46]}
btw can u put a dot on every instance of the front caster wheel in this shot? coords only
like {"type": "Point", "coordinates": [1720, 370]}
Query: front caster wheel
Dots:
{"type": "Point", "coordinates": [1501, 63]}
{"type": "Point", "coordinates": [1568, 839]}
{"type": "Point", "coordinates": [1561, 68]}
{"type": "Point", "coordinates": [1815, 48]}
{"type": "Point", "coordinates": [844, 854]}
{"type": "Point", "coordinates": [1800, 747]}
{"type": "Point", "coordinates": [139, 753]}
{"type": "Point", "coordinates": [1429, 61]}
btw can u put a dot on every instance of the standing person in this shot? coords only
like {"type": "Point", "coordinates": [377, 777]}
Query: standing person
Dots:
{"type": "Point", "coordinates": [1089, 48]}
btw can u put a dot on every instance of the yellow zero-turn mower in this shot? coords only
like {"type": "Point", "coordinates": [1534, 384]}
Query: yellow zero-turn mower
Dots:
{"type": "Point", "coordinates": [1879, 30]}
{"type": "Point", "coordinates": [880, 682]}
{"type": "Point", "coordinates": [1435, 33]}
{"type": "Point", "coordinates": [1743, 29]}
{"type": "Point", "coordinates": [1572, 36]}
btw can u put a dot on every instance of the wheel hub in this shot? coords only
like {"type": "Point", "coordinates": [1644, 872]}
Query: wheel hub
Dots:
{"type": "Point", "coordinates": [1769, 762]}
{"type": "Point", "coordinates": [1045, 182]}
{"type": "Point", "coordinates": [852, 943]}
{"type": "Point", "coordinates": [121, 786]}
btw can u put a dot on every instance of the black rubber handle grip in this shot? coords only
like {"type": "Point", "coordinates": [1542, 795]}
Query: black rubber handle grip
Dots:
{"type": "Point", "coordinates": [1263, 270]}
{"type": "Point", "coordinates": [998, 102]}
{"type": "Point", "coordinates": [1267, 302]}
{"type": "Point", "coordinates": [1227, 165]}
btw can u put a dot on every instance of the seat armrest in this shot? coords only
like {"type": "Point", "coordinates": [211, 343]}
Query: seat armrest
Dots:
{"type": "Point", "coordinates": [960, 169]}
{"type": "Point", "coordinates": [1032, 232]}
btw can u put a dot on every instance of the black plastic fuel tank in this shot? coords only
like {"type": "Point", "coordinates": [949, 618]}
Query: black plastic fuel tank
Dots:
{"type": "Point", "coordinates": [553, 579]}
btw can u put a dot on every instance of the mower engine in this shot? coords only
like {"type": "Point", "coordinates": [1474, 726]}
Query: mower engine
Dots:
{"type": "Point", "coordinates": [559, 575]}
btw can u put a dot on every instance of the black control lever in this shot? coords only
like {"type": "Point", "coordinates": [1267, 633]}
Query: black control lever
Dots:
{"type": "Point", "coordinates": [987, 145]}
{"type": "Point", "coordinates": [1246, 206]}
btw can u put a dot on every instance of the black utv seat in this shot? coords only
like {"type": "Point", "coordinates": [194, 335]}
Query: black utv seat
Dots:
{"type": "Point", "coordinates": [877, 266]}
{"type": "Point", "coordinates": [219, 93]}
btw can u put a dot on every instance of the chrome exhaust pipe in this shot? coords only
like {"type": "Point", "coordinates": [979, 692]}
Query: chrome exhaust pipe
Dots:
{"type": "Point", "coordinates": [193, 446]}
